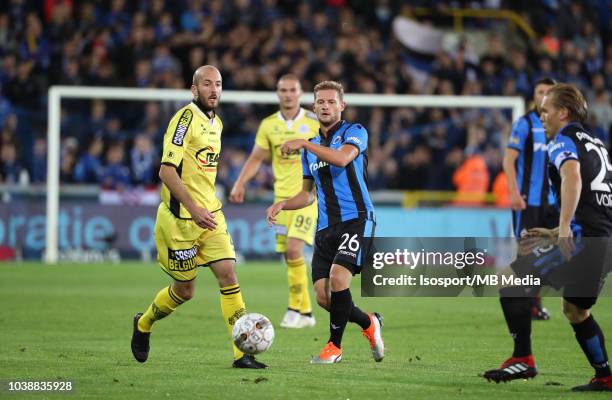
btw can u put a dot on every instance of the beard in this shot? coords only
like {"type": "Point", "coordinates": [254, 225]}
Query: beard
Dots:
{"type": "Point", "coordinates": [203, 105]}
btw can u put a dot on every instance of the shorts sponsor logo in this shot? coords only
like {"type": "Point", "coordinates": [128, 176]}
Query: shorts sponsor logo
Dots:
{"type": "Point", "coordinates": [182, 260]}
{"type": "Point", "coordinates": [181, 127]}
{"type": "Point", "coordinates": [347, 253]}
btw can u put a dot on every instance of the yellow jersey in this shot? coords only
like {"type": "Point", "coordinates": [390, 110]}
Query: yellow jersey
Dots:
{"type": "Point", "coordinates": [192, 144]}
{"type": "Point", "coordinates": [272, 133]}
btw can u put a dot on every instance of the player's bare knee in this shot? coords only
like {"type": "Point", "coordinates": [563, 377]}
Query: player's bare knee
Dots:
{"type": "Point", "coordinates": [323, 301]}
{"type": "Point", "coordinates": [295, 249]}
{"type": "Point", "coordinates": [185, 290]}
{"type": "Point", "coordinates": [225, 272]}
{"type": "Point", "coordinates": [227, 278]}
{"type": "Point", "coordinates": [293, 253]}
{"type": "Point", "coordinates": [338, 282]}
{"type": "Point", "coordinates": [574, 314]}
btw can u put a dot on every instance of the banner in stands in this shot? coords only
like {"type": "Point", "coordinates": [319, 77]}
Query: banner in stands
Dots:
{"type": "Point", "coordinates": [128, 230]}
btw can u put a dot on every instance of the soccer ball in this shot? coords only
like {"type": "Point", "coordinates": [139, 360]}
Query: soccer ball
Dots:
{"type": "Point", "coordinates": [253, 333]}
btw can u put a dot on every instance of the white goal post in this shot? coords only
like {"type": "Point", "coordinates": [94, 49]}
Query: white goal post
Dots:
{"type": "Point", "coordinates": [57, 93]}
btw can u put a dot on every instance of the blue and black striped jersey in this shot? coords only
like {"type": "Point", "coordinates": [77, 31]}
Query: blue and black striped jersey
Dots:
{"type": "Point", "coordinates": [529, 139]}
{"type": "Point", "coordinates": [342, 193]}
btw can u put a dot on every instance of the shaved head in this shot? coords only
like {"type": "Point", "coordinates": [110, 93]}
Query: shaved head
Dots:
{"type": "Point", "coordinates": [206, 70]}
{"type": "Point", "coordinates": [207, 86]}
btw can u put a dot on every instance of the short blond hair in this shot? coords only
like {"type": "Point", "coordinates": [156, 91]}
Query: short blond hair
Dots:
{"type": "Point", "coordinates": [330, 85]}
{"type": "Point", "coordinates": [568, 96]}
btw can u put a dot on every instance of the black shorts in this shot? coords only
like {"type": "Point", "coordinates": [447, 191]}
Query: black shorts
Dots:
{"type": "Point", "coordinates": [534, 217]}
{"type": "Point", "coordinates": [580, 279]}
{"type": "Point", "coordinates": [347, 243]}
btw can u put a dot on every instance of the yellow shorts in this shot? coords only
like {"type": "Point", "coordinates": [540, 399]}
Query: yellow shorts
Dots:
{"type": "Point", "coordinates": [299, 224]}
{"type": "Point", "coordinates": [182, 246]}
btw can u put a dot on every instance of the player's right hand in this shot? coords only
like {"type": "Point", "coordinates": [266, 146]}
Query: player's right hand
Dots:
{"type": "Point", "coordinates": [517, 202]}
{"type": "Point", "coordinates": [273, 211]}
{"type": "Point", "coordinates": [203, 218]}
{"type": "Point", "coordinates": [237, 194]}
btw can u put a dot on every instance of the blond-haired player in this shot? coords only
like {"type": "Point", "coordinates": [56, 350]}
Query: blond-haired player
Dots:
{"type": "Point", "coordinates": [190, 230]}
{"type": "Point", "coordinates": [294, 228]}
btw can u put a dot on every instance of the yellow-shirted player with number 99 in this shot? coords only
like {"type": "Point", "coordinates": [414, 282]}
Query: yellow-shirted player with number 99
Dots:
{"type": "Point", "coordinates": [190, 230]}
{"type": "Point", "coordinates": [294, 228]}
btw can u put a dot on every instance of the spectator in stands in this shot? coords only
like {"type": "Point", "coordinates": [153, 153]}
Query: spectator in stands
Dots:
{"type": "Point", "coordinates": [68, 161]}
{"type": "Point", "coordinates": [145, 43]}
{"type": "Point", "coordinates": [10, 168]}
{"type": "Point", "coordinates": [471, 180]}
{"type": "Point", "coordinates": [25, 89]}
{"type": "Point", "coordinates": [6, 107]}
{"type": "Point", "coordinates": [98, 117]}
{"type": "Point", "coordinates": [9, 129]}
{"type": "Point", "coordinates": [114, 132]}
{"type": "Point", "coordinates": [142, 159]}
{"type": "Point", "coordinates": [89, 167]}
{"type": "Point", "coordinates": [34, 46]}
{"type": "Point", "coordinates": [115, 175]}
{"type": "Point", "coordinates": [39, 161]}
{"type": "Point", "coordinates": [601, 110]}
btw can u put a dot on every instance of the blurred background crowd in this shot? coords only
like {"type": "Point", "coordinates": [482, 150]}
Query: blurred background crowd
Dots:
{"type": "Point", "coordinates": [159, 43]}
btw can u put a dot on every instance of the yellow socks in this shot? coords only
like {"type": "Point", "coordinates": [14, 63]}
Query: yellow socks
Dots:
{"type": "Point", "coordinates": [297, 275]}
{"type": "Point", "coordinates": [164, 303]}
{"type": "Point", "coordinates": [232, 307]}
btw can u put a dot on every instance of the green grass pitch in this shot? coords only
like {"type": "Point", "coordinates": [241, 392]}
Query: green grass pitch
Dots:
{"type": "Point", "coordinates": [74, 322]}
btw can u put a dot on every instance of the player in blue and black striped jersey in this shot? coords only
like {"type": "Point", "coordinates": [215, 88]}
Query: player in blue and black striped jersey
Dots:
{"type": "Point", "coordinates": [525, 162]}
{"type": "Point", "coordinates": [581, 174]}
{"type": "Point", "coordinates": [335, 163]}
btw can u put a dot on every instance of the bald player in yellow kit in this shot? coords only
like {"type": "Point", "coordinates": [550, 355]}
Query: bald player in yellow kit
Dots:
{"type": "Point", "coordinates": [190, 230]}
{"type": "Point", "coordinates": [294, 228]}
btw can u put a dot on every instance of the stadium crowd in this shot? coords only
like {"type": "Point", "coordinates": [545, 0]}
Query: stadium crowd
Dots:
{"type": "Point", "coordinates": [159, 43]}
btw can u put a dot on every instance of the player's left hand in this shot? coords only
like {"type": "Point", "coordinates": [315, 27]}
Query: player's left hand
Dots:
{"type": "Point", "coordinates": [566, 242]}
{"type": "Point", "coordinates": [273, 211]}
{"type": "Point", "coordinates": [292, 146]}
{"type": "Point", "coordinates": [529, 244]}
{"type": "Point", "coordinates": [543, 232]}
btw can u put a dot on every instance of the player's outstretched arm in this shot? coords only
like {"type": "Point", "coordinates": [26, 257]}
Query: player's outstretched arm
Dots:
{"type": "Point", "coordinates": [200, 215]}
{"type": "Point", "coordinates": [340, 158]}
{"type": "Point", "coordinates": [303, 199]}
{"type": "Point", "coordinates": [250, 168]}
